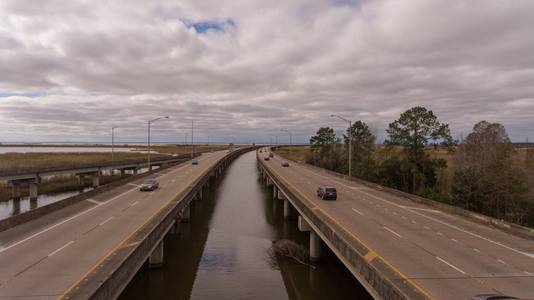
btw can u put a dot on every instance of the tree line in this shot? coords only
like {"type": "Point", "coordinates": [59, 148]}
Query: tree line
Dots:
{"type": "Point", "coordinates": [420, 156]}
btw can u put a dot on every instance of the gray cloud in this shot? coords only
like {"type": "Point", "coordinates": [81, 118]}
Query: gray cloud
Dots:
{"type": "Point", "coordinates": [274, 65]}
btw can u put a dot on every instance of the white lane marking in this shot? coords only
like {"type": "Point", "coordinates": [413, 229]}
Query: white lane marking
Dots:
{"type": "Point", "coordinates": [404, 217]}
{"type": "Point", "coordinates": [398, 235]}
{"type": "Point", "coordinates": [105, 221]}
{"type": "Point", "coordinates": [439, 233]}
{"type": "Point", "coordinates": [357, 211]}
{"type": "Point", "coordinates": [62, 222]}
{"type": "Point", "coordinates": [476, 250]}
{"type": "Point", "coordinates": [94, 201]}
{"type": "Point", "coordinates": [450, 265]}
{"type": "Point", "coordinates": [531, 255]}
{"type": "Point", "coordinates": [133, 184]}
{"type": "Point", "coordinates": [421, 208]}
{"type": "Point", "coordinates": [61, 248]}
{"type": "Point", "coordinates": [426, 227]}
{"type": "Point", "coordinates": [528, 273]}
{"type": "Point", "coordinates": [413, 221]}
{"type": "Point", "coordinates": [395, 213]}
{"type": "Point", "coordinates": [501, 261]}
{"type": "Point", "coordinates": [134, 203]}
{"type": "Point", "coordinates": [454, 240]}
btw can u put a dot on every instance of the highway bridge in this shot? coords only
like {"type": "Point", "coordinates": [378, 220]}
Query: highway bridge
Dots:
{"type": "Point", "coordinates": [93, 248]}
{"type": "Point", "coordinates": [398, 248]}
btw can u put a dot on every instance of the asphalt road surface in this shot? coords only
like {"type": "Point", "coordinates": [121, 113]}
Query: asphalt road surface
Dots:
{"type": "Point", "coordinates": [447, 256]}
{"type": "Point", "coordinates": [43, 258]}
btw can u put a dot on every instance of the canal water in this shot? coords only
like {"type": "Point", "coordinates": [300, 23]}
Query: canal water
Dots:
{"type": "Point", "coordinates": [224, 252]}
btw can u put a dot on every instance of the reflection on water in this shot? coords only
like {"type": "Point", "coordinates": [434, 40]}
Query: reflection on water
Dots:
{"type": "Point", "coordinates": [14, 207]}
{"type": "Point", "coordinates": [224, 252]}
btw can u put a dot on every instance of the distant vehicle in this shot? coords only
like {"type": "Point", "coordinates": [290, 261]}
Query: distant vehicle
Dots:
{"type": "Point", "coordinates": [285, 164]}
{"type": "Point", "coordinates": [271, 154]}
{"type": "Point", "coordinates": [327, 193]}
{"type": "Point", "coordinates": [266, 158]}
{"type": "Point", "coordinates": [149, 185]}
{"type": "Point", "coordinates": [492, 297]}
{"type": "Point", "coordinates": [194, 162]}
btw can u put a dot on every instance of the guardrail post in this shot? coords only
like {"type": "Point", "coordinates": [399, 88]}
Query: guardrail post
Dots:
{"type": "Point", "coordinates": [156, 257]}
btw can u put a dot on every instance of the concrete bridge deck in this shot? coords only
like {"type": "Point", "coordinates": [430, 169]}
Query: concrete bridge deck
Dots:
{"type": "Point", "coordinates": [93, 248]}
{"type": "Point", "coordinates": [399, 249]}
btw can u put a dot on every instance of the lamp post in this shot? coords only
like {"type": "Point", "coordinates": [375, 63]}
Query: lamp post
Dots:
{"type": "Point", "coordinates": [350, 141]}
{"type": "Point", "coordinates": [290, 135]}
{"type": "Point", "coordinates": [150, 122]}
{"type": "Point", "coordinates": [113, 143]}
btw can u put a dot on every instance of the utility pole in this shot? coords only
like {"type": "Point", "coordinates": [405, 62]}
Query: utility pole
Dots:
{"type": "Point", "coordinates": [149, 122]}
{"type": "Point", "coordinates": [192, 141]}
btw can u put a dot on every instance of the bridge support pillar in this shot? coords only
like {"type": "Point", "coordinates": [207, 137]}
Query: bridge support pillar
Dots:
{"type": "Point", "coordinates": [123, 172]}
{"type": "Point", "coordinates": [186, 214]}
{"type": "Point", "coordinates": [315, 246]}
{"type": "Point", "coordinates": [15, 187]}
{"type": "Point", "coordinates": [134, 171]}
{"type": "Point", "coordinates": [33, 186]}
{"type": "Point", "coordinates": [81, 181]}
{"type": "Point", "coordinates": [275, 192]}
{"type": "Point", "coordinates": [156, 258]}
{"type": "Point", "coordinates": [288, 209]}
{"type": "Point", "coordinates": [96, 180]}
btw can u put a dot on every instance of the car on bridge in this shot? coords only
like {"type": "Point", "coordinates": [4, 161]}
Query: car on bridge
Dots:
{"type": "Point", "coordinates": [285, 164]}
{"type": "Point", "coordinates": [327, 193]}
{"type": "Point", "coordinates": [266, 158]}
{"type": "Point", "coordinates": [149, 185]}
{"type": "Point", "coordinates": [194, 162]}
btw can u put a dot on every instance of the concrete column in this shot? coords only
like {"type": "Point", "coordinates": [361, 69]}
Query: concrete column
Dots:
{"type": "Point", "coordinates": [280, 195]}
{"type": "Point", "coordinates": [135, 171]}
{"type": "Point", "coordinates": [288, 210]}
{"type": "Point", "coordinates": [186, 214]}
{"type": "Point", "coordinates": [199, 195]}
{"type": "Point", "coordinates": [96, 180]}
{"type": "Point", "coordinates": [275, 192]}
{"type": "Point", "coordinates": [123, 172]}
{"type": "Point", "coordinates": [315, 246]}
{"type": "Point", "coordinates": [81, 181]}
{"type": "Point", "coordinates": [173, 228]}
{"type": "Point", "coordinates": [16, 190]}
{"type": "Point", "coordinates": [33, 190]}
{"type": "Point", "coordinates": [156, 258]}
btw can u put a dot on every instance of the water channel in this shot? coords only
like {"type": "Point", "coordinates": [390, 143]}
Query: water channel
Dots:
{"type": "Point", "coordinates": [223, 253]}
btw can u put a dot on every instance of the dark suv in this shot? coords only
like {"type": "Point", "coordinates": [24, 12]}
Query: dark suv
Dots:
{"type": "Point", "coordinates": [149, 185]}
{"type": "Point", "coordinates": [327, 193]}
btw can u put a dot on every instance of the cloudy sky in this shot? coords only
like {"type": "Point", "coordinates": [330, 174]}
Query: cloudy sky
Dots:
{"type": "Point", "coordinates": [245, 69]}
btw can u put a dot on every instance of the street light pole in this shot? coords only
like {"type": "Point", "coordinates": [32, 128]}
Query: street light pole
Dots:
{"type": "Point", "coordinates": [149, 122]}
{"type": "Point", "coordinates": [113, 143]}
{"type": "Point", "coordinates": [350, 142]}
{"type": "Point", "coordinates": [192, 141]}
{"type": "Point", "coordinates": [290, 135]}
